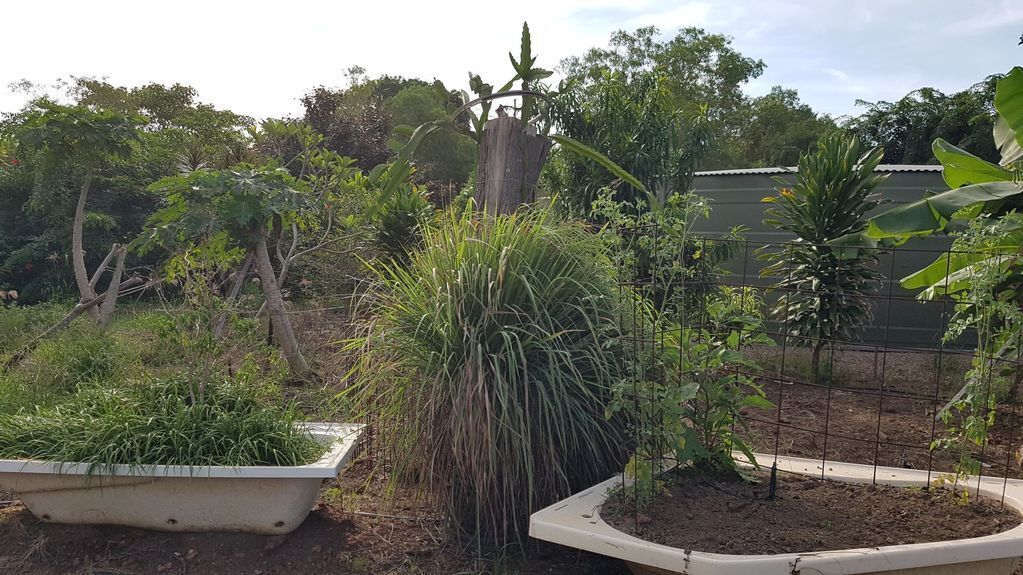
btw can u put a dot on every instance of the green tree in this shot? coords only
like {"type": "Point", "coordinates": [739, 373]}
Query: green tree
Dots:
{"type": "Point", "coordinates": [634, 120]}
{"type": "Point", "coordinates": [824, 295]}
{"type": "Point", "coordinates": [703, 73]}
{"type": "Point", "coordinates": [906, 127]}
{"type": "Point", "coordinates": [446, 155]}
{"type": "Point", "coordinates": [779, 128]}
{"type": "Point", "coordinates": [76, 139]}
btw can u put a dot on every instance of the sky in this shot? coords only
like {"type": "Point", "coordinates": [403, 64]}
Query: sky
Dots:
{"type": "Point", "coordinates": [258, 58]}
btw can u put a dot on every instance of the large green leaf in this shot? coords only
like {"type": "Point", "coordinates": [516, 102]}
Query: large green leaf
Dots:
{"type": "Point", "coordinates": [962, 168]}
{"type": "Point", "coordinates": [952, 272]}
{"type": "Point", "coordinates": [1009, 102]}
{"type": "Point", "coordinates": [1005, 141]}
{"type": "Point", "coordinates": [577, 147]}
{"type": "Point", "coordinates": [932, 214]}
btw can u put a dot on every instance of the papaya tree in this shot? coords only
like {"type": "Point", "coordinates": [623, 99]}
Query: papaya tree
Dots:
{"type": "Point", "coordinates": [243, 206]}
{"type": "Point", "coordinates": [75, 142]}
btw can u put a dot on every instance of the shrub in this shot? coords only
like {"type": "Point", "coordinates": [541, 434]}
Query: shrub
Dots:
{"type": "Point", "coordinates": [76, 357]}
{"type": "Point", "coordinates": [160, 422]}
{"type": "Point", "coordinates": [489, 364]}
{"type": "Point", "coordinates": [825, 293]}
{"type": "Point", "coordinates": [685, 399]}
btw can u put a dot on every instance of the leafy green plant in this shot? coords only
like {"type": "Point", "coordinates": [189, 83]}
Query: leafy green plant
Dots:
{"type": "Point", "coordinates": [658, 250]}
{"type": "Point", "coordinates": [824, 293]}
{"type": "Point", "coordinates": [634, 121]}
{"type": "Point", "coordinates": [992, 306]}
{"type": "Point", "coordinates": [982, 271]}
{"type": "Point", "coordinates": [400, 222]}
{"type": "Point", "coordinates": [159, 422]}
{"type": "Point", "coordinates": [686, 402]}
{"type": "Point", "coordinates": [487, 366]}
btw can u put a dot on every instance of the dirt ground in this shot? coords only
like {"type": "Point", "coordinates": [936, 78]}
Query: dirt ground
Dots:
{"type": "Point", "coordinates": [351, 530]}
{"type": "Point", "coordinates": [878, 408]}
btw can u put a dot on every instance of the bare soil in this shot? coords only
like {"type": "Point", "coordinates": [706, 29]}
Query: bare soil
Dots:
{"type": "Point", "coordinates": [726, 514]}
{"type": "Point", "coordinates": [875, 408]}
{"type": "Point", "coordinates": [352, 529]}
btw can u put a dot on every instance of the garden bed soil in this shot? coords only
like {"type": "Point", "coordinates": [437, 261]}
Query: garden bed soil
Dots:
{"type": "Point", "coordinates": [722, 513]}
{"type": "Point", "coordinates": [874, 397]}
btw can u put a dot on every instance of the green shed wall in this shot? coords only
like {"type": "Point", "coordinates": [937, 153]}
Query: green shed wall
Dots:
{"type": "Point", "coordinates": [735, 200]}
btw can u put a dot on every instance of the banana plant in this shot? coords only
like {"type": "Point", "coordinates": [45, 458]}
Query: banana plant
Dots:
{"type": "Point", "coordinates": [978, 189]}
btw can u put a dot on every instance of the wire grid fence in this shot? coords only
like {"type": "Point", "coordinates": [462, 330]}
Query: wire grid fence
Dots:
{"type": "Point", "coordinates": [876, 403]}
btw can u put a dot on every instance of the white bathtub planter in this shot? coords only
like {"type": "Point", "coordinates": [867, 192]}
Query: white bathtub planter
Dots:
{"type": "Point", "coordinates": [269, 500]}
{"type": "Point", "coordinates": [575, 522]}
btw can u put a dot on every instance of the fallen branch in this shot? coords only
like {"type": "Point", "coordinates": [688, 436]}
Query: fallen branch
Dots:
{"type": "Point", "coordinates": [64, 322]}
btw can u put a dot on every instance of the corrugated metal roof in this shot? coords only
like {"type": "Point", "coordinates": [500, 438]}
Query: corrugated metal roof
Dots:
{"type": "Point", "coordinates": [770, 171]}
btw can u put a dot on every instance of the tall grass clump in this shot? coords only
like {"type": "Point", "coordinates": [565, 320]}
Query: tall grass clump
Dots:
{"type": "Point", "coordinates": [160, 422]}
{"type": "Point", "coordinates": [487, 367]}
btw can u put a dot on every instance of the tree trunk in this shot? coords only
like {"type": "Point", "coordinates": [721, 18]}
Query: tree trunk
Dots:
{"type": "Point", "coordinates": [237, 282]}
{"type": "Point", "coordinates": [106, 309]}
{"type": "Point", "coordinates": [815, 362]}
{"type": "Point", "coordinates": [283, 332]}
{"type": "Point", "coordinates": [78, 251]}
{"type": "Point", "coordinates": [510, 159]}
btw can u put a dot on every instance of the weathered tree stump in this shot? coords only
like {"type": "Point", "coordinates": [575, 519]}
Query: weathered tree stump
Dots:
{"type": "Point", "coordinates": [511, 157]}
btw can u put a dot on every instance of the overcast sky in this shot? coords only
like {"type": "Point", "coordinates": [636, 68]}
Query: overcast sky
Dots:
{"type": "Point", "coordinates": [258, 57]}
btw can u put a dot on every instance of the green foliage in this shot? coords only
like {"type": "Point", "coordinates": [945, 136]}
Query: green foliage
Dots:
{"type": "Point", "coordinates": [991, 305]}
{"type": "Point", "coordinates": [75, 359]}
{"type": "Point", "coordinates": [686, 402]}
{"type": "Point", "coordinates": [906, 128]}
{"type": "Point", "coordinates": [824, 293]}
{"type": "Point", "coordinates": [658, 251]}
{"type": "Point", "coordinates": [778, 129]}
{"type": "Point", "coordinates": [527, 72]}
{"type": "Point", "coordinates": [487, 366]}
{"type": "Point", "coordinates": [400, 222]}
{"type": "Point", "coordinates": [160, 422]}
{"type": "Point", "coordinates": [445, 156]}
{"type": "Point", "coordinates": [20, 324]}
{"type": "Point", "coordinates": [239, 203]}
{"type": "Point", "coordinates": [637, 122]}
{"type": "Point", "coordinates": [702, 73]}
{"type": "Point", "coordinates": [38, 192]}
{"type": "Point", "coordinates": [64, 133]}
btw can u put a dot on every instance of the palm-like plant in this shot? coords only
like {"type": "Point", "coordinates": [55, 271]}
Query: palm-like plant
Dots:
{"type": "Point", "coordinates": [825, 293]}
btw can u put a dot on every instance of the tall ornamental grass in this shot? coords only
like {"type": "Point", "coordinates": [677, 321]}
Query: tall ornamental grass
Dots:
{"type": "Point", "coordinates": [488, 366]}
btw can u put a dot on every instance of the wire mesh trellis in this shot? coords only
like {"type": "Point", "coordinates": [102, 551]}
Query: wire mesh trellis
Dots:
{"type": "Point", "coordinates": [883, 401]}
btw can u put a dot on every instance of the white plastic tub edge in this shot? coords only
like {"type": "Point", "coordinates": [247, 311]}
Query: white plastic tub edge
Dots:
{"type": "Point", "coordinates": [257, 499]}
{"type": "Point", "coordinates": [575, 522]}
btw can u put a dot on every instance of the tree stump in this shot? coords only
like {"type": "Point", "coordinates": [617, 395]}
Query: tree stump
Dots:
{"type": "Point", "coordinates": [511, 157]}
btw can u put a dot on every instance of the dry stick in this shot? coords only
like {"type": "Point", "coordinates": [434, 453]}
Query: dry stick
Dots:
{"type": "Point", "coordinates": [66, 321]}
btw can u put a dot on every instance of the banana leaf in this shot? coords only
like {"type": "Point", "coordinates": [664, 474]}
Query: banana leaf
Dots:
{"type": "Point", "coordinates": [933, 213]}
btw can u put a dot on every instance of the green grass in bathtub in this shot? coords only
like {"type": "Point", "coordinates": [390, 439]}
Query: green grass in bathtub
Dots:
{"type": "Point", "coordinates": [161, 422]}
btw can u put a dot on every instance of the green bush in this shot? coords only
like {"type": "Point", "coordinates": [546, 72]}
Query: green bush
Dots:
{"type": "Point", "coordinates": [19, 325]}
{"type": "Point", "coordinates": [160, 422]}
{"type": "Point", "coordinates": [488, 366]}
{"type": "Point", "coordinates": [78, 356]}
